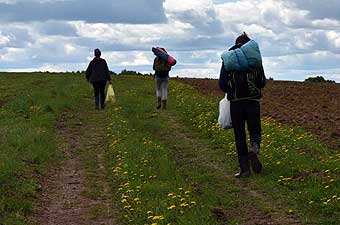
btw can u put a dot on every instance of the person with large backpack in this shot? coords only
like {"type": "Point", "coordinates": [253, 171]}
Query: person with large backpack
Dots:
{"type": "Point", "coordinates": [242, 78]}
{"type": "Point", "coordinates": [162, 69]}
{"type": "Point", "coordinates": [97, 73]}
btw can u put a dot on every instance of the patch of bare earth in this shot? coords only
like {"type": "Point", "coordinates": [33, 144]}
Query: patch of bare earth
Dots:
{"type": "Point", "coordinates": [253, 207]}
{"type": "Point", "coordinates": [63, 199]}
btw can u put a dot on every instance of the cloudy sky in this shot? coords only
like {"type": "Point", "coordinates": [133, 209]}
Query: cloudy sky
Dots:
{"type": "Point", "coordinates": [298, 38]}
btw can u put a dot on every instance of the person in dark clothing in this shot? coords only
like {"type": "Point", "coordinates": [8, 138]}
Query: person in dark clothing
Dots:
{"type": "Point", "coordinates": [98, 74]}
{"type": "Point", "coordinates": [162, 70]}
{"type": "Point", "coordinates": [243, 90]}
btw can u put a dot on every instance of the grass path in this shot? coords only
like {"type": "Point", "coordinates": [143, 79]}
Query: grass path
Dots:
{"type": "Point", "coordinates": [172, 150]}
{"type": "Point", "coordinates": [77, 192]}
{"type": "Point", "coordinates": [238, 200]}
{"type": "Point", "coordinates": [132, 164]}
{"type": "Point", "coordinates": [176, 166]}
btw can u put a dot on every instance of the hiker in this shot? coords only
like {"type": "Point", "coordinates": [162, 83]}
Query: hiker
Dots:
{"type": "Point", "coordinates": [162, 69]}
{"type": "Point", "coordinates": [243, 81]}
{"type": "Point", "coordinates": [98, 74]}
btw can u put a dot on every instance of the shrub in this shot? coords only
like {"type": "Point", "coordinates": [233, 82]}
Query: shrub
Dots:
{"type": "Point", "coordinates": [318, 79]}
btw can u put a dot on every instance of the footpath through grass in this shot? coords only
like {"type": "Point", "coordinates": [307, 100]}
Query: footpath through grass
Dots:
{"type": "Point", "coordinates": [176, 166]}
{"type": "Point", "coordinates": [172, 166]}
{"type": "Point", "coordinates": [29, 107]}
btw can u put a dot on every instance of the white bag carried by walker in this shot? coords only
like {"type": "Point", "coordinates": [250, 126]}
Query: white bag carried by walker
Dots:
{"type": "Point", "coordinates": [110, 95]}
{"type": "Point", "coordinates": [224, 119]}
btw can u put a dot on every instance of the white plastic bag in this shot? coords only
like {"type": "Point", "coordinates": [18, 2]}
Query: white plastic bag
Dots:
{"type": "Point", "coordinates": [224, 119]}
{"type": "Point", "coordinates": [110, 95]}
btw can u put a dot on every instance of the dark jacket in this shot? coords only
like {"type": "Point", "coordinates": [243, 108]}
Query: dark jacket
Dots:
{"type": "Point", "coordinates": [242, 85]}
{"type": "Point", "coordinates": [98, 70]}
{"type": "Point", "coordinates": [163, 71]}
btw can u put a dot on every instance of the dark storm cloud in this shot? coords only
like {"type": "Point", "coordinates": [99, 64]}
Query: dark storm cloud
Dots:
{"type": "Point", "coordinates": [92, 11]}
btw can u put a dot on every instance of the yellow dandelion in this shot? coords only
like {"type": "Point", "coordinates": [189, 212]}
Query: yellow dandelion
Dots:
{"type": "Point", "coordinates": [171, 207]}
{"type": "Point", "coordinates": [158, 217]}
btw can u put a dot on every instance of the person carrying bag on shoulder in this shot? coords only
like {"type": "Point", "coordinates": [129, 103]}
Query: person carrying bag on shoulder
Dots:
{"type": "Point", "coordinates": [242, 80]}
{"type": "Point", "coordinates": [162, 69]}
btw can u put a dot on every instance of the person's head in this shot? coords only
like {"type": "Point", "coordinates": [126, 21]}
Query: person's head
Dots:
{"type": "Point", "coordinates": [240, 40]}
{"type": "Point", "coordinates": [97, 52]}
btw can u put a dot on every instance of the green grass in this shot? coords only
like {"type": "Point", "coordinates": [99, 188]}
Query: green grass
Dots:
{"type": "Point", "coordinates": [171, 166]}
{"type": "Point", "coordinates": [30, 105]}
{"type": "Point", "coordinates": [157, 153]}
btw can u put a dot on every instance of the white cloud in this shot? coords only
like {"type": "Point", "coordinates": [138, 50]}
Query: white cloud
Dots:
{"type": "Point", "coordinates": [69, 49]}
{"type": "Point", "coordinates": [4, 40]}
{"type": "Point", "coordinates": [295, 39]}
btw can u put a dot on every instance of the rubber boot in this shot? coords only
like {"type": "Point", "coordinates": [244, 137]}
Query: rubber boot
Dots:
{"type": "Point", "coordinates": [255, 163]}
{"type": "Point", "coordinates": [159, 102]}
{"type": "Point", "coordinates": [164, 104]}
{"type": "Point", "coordinates": [96, 101]}
{"type": "Point", "coordinates": [244, 167]}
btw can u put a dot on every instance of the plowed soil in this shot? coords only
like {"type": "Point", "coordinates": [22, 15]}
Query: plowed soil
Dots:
{"type": "Point", "coordinates": [312, 106]}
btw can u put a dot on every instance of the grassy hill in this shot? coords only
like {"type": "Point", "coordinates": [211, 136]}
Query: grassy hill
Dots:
{"type": "Point", "coordinates": [171, 166]}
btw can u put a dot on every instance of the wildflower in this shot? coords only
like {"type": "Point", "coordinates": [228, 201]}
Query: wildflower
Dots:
{"type": "Point", "coordinates": [184, 205]}
{"type": "Point", "coordinates": [171, 207]}
{"type": "Point", "coordinates": [124, 196]}
{"type": "Point", "coordinates": [158, 217]}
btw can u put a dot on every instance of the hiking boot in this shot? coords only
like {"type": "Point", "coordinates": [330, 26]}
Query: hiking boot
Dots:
{"type": "Point", "coordinates": [242, 174]}
{"type": "Point", "coordinates": [159, 103]}
{"type": "Point", "coordinates": [164, 103]}
{"type": "Point", "coordinates": [253, 158]}
{"type": "Point", "coordinates": [254, 147]}
{"type": "Point", "coordinates": [103, 106]}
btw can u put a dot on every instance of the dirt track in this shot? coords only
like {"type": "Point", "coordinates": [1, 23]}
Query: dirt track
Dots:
{"type": "Point", "coordinates": [67, 196]}
{"type": "Point", "coordinates": [315, 107]}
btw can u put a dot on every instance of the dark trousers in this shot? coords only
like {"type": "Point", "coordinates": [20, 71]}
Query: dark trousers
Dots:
{"type": "Point", "coordinates": [99, 93]}
{"type": "Point", "coordinates": [242, 112]}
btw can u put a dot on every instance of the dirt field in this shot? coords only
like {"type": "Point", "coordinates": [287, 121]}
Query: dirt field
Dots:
{"type": "Point", "coordinates": [315, 107]}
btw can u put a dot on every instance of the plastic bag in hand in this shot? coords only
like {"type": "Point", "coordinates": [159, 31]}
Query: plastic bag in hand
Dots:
{"type": "Point", "coordinates": [110, 95]}
{"type": "Point", "coordinates": [224, 119]}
